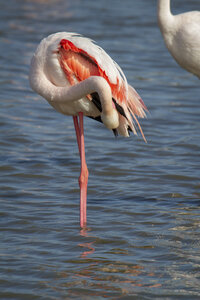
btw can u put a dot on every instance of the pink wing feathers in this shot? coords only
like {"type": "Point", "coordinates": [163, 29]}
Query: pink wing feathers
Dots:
{"type": "Point", "coordinates": [80, 58]}
{"type": "Point", "coordinates": [80, 65]}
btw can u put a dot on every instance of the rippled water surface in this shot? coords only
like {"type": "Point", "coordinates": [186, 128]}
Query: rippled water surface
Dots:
{"type": "Point", "coordinates": [142, 240]}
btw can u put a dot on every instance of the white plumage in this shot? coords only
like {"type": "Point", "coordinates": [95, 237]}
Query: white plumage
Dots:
{"type": "Point", "coordinates": [78, 78]}
{"type": "Point", "coordinates": [47, 77]}
{"type": "Point", "coordinates": [181, 34]}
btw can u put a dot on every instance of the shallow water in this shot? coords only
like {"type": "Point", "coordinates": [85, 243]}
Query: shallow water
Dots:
{"type": "Point", "coordinates": [142, 240]}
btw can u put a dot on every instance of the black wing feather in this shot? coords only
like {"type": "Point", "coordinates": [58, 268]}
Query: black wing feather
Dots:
{"type": "Point", "coordinates": [97, 103]}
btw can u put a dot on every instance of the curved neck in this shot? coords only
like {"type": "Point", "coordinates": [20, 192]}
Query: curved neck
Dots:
{"type": "Point", "coordinates": [43, 86]}
{"type": "Point", "coordinates": [164, 14]}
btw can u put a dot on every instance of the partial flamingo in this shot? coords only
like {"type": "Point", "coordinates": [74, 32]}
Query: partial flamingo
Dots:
{"type": "Point", "coordinates": [78, 78]}
{"type": "Point", "coordinates": [181, 34]}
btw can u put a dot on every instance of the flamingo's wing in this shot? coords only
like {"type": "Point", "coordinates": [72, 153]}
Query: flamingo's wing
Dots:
{"type": "Point", "coordinates": [81, 58]}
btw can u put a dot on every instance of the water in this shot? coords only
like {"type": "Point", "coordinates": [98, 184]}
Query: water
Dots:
{"type": "Point", "coordinates": [142, 240]}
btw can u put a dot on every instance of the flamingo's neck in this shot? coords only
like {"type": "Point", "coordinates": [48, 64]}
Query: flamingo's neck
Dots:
{"type": "Point", "coordinates": [165, 17]}
{"type": "Point", "coordinates": [55, 94]}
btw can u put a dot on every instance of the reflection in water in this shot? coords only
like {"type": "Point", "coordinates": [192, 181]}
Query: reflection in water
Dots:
{"type": "Point", "coordinates": [84, 233]}
{"type": "Point", "coordinates": [109, 278]}
{"type": "Point", "coordinates": [99, 276]}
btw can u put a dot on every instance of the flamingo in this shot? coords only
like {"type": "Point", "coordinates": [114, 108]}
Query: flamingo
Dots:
{"type": "Point", "coordinates": [79, 78]}
{"type": "Point", "coordinates": [181, 34]}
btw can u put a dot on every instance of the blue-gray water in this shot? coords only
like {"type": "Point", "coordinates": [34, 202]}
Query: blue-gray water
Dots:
{"type": "Point", "coordinates": [142, 240]}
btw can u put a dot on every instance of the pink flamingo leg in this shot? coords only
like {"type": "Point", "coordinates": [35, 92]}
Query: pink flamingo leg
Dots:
{"type": "Point", "coordinates": [83, 179]}
{"type": "Point", "coordinates": [78, 136]}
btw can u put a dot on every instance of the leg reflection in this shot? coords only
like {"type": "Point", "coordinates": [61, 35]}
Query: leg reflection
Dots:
{"type": "Point", "coordinates": [89, 246]}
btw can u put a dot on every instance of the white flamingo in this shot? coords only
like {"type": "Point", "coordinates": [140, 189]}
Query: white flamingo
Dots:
{"type": "Point", "coordinates": [78, 78]}
{"type": "Point", "coordinates": [181, 34]}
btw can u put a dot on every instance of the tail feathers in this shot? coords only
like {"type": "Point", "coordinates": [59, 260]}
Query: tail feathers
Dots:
{"type": "Point", "coordinates": [135, 103]}
{"type": "Point", "coordinates": [136, 108]}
